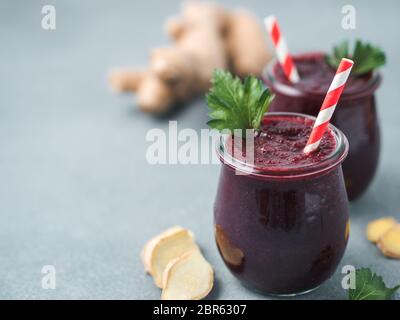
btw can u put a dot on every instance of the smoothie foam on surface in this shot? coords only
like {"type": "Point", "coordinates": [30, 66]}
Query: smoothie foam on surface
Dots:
{"type": "Point", "coordinates": [281, 141]}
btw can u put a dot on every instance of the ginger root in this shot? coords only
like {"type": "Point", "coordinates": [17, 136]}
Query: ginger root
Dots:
{"type": "Point", "coordinates": [168, 246]}
{"type": "Point", "coordinates": [385, 232]}
{"type": "Point", "coordinates": [147, 252]}
{"type": "Point", "coordinates": [389, 242]}
{"type": "Point", "coordinates": [377, 228]}
{"type": "Point", "coordinates": [177, 265]}
{"type": "Point", "coordinates": [205, 37]}
{"type": "Point", "coordinates": [125, 79]}
{"type": "Point", "coordinates": [189, 277]}
{"type": "Point", "coordinates": [246, 43]}
{"type": "Point", "coordinates": [231, 254]}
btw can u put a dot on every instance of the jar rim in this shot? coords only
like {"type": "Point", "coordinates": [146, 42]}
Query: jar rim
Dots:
{"type": "Point", "coordinates": [293, 172]}
{"type": "Point", "coordinates": [271, 80]}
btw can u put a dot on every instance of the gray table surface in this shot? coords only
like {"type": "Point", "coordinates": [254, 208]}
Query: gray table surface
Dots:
{"type": "Point", "coordinates": [76, 191]}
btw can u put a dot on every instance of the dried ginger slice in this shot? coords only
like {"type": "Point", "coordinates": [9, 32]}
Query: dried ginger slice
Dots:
{"type": "Point", "coordinates": [189, 277]}
{"type": "Point", "coordinates": [148, 248]}
{"type": "Point", "coordinates": [232, 255]}
{"type": "Point", "coordinates": [377, 228]}
{"type": "Point", "coordinates": [389, 242]}
{"type": "Point", "coordinates": [167, 247]}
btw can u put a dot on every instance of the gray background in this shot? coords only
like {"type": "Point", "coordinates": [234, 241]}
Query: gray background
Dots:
{"type": "Point", "coordinates": [76, 191]}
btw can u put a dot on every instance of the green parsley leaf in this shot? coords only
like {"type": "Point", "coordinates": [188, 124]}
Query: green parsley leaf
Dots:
{"type": "Point", "coordinates": [235, 104]}
{"type": "Point", "coordinates": [370, 286]}
{"type": "Point", "coordinates": [366, 57]}
{"type": "Point", "coordinates": [339, 52]}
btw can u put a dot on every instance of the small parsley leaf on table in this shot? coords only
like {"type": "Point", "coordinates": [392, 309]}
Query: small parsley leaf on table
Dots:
{"type": "Point", "coordinates": [370, 286]}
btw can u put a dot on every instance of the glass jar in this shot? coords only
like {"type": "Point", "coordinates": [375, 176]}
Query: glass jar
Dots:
{"type": "Point", "coordinates": [282, 232]}
{"type": "Point", "coordinates": [355, 115]}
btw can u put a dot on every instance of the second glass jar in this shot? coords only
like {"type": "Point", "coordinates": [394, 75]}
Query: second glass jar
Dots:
{"type": "Point", "coordinates": [355, 115]}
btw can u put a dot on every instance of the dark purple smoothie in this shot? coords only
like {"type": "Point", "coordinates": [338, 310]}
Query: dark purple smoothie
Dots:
{"type": "Point", "coordinates": [283, 227]}
{"type": "Point", "coordinates": [355, 114]}
{"type": "Point", "coordinates": [279, 144]}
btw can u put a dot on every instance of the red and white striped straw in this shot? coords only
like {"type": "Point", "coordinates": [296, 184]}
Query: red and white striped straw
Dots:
{"type": "Point", "coordinates": [282, 52]}
{"type": "Point", "coordinates": [329, 105]}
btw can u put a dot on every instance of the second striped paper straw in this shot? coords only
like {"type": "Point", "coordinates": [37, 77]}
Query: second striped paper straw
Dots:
{"type": "Point", "coordinates": [329, 105]}
{"type": "Point", "coordinates": [282, 52]}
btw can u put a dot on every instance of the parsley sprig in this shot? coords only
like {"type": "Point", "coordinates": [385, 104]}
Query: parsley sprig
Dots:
{"type": "Point", "coordinates": [370, 286]}
{"type": "Point", "coordinates": [366, 57]}
{"type": "Point", "coordinates": [235, 104]}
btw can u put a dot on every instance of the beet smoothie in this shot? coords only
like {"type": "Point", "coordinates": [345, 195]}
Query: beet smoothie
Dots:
{"type": "Point", "coordinates": [355, 114]}
{"type": "Point", "coordinates": [283, 227]}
